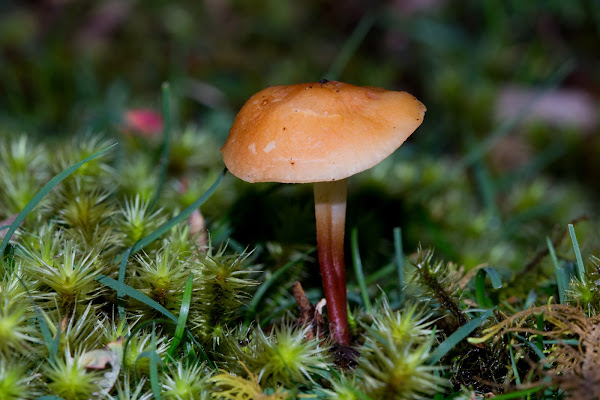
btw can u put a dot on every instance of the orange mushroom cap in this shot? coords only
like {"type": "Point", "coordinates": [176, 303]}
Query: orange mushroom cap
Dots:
{"type": "Point", "coordinates": [316, 132]}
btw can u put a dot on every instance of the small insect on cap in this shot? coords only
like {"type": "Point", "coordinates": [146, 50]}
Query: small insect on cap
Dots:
{"type": "Point", "coordinates": [316, 132]}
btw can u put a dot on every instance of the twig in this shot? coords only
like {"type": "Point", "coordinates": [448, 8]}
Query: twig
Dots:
{"type": "Point", "coordinates": [309, 315]}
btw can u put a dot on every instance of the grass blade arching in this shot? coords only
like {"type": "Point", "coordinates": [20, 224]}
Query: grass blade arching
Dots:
{"type": "Point", "coordinates": [140, 244]}
{"type": "Point", "coordinates": [136, 294]}
{"type": "Point", "coordinates": [51, 184]}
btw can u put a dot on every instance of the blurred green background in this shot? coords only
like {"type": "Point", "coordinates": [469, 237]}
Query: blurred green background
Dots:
{"type": "Point", "coordinates": [508, 150]}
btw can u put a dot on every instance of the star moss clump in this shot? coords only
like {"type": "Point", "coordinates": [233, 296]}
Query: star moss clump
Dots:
{"type": "Point", "coordinates": [112, 286]}
{"type": "Point", "coordinates": [221, 286]}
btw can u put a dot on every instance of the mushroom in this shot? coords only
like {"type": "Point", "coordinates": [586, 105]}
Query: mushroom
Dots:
{"type": "Point", "coordinates": [321, 133]}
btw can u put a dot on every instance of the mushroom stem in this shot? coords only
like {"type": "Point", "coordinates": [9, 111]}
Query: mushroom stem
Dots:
{"type": "Point", "coordinates": [330, 212]}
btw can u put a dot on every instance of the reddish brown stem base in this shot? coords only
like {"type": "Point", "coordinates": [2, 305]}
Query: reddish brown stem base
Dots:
{"type": "Point", "coordinates": [330, 212]}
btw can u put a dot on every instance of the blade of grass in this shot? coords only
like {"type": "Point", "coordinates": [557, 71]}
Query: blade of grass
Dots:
{"type": "Point", "coordinates": [431, 33]}
{"type": "Point", "coordinates": [165, 147]}
{"type": "Point", "coordinates": [144, 324]}
{"type": "Point", "coordinates": [541, 160]}
{"type": "Point", "coordinates": [494, 277]}
{"type": "Point", "coordinates": [530, 300]}
{"type": "Point", "coordinates": [138, 327]}
{"type": "Point", "coordinates": [580, 266]}
{"type": "Point", "coordinates": [350, 47]}
{"type": "Point", "coordinates": [399, 262]}
{"type": "Point", "coordinates": [210, 362]}
{"type": "Point", "coordinates": [519, 393]}
{"type": "Point", "coordinates": [513, 364]}
{"type": "Point", "coordinates": [183, 313]}
{"type": "Point", "coordinates": [180, 217]}
{"type": "Point", "coordinates": [51, 184]}
{"type": "Point", "coordinates": [136, 294]}
{"type": "Point", "coordinates": [153, 361]}
{"type": "Point", "coordinates": [380, 273]}
{"type": "Point", "coordinates": [562, 280]}
{"type": "Point", "coordinates": [358, 270]}
{"type": "Point", "coordinates": [460, 334]}
{"type": "Point", "coordinates": [572, 342]}
{"type": "Point", "coordinates": [262, 289]}
{"type": "Point", "coordinates": [480, 293]}
{"type": "Point", "coordinates": [161, 230]}
{"type": "Point", "coordinates": [477, 152]}
{"type": "Point", "coordinates": [533, 346]}
{"type": "Point", "coordinates": [355, 298]}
